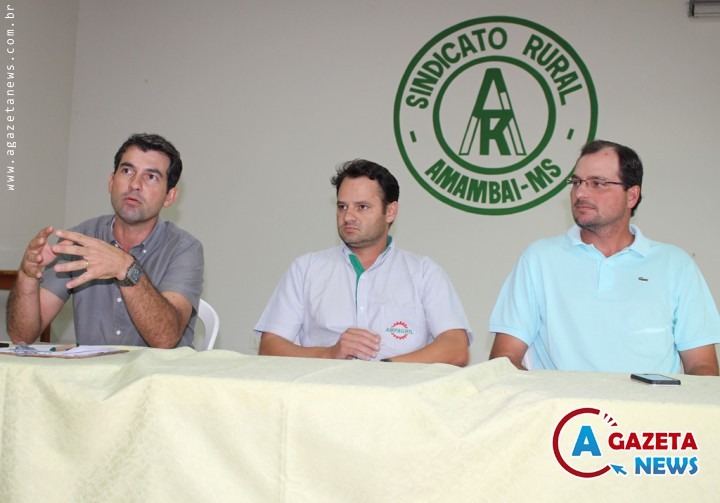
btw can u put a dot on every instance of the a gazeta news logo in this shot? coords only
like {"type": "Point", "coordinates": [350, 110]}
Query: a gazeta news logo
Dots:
{"type": "Point", "coordinates": [491, 113]}
{"type": "Point", "coordinates": [589, 443]}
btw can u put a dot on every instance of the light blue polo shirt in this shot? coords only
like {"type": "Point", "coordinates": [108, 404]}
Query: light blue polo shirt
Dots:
{"type": "Point", "coordinates": [631, 312]}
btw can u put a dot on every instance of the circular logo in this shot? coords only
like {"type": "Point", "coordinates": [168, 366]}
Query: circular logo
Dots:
{"type": "Point", "coordinates": [558, 451]}
{"type": "Point", "coordinates": [491, 113]}
{"type": "Point", "coordinates": [399, 330]}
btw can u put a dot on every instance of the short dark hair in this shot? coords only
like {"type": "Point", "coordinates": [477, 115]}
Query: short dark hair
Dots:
{"type": "Point", "coordinates": [362, 168]}
{"type": "Point", "coordinates": [154, 142]}
{"type": "Point", "coordinates": [631, 168]}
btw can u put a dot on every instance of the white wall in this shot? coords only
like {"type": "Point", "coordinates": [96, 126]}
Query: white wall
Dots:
{"type": "Point", "coordinates": [263, 99]}
{"type": "Point", "coordinates": [42, 68]}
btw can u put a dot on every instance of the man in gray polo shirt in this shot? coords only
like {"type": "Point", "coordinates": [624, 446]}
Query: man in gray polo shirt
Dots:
{"type": "Point", "coordinates": [135, 279]}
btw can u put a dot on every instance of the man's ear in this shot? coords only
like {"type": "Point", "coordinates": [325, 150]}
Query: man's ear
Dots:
{"type": "Point", "coordinates": [170, 197]}
{"type": "Point", "coordinates": [391, 211]}
{"type": "Point", "coordinates": [633, 195]}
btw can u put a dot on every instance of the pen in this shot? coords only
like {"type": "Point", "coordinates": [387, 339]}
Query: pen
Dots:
{"type": "Point", "coordinates": [63, 348]}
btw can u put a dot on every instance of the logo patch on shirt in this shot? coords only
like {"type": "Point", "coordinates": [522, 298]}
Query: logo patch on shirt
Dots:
{"type": "Point", "coordinates": [399, 330]}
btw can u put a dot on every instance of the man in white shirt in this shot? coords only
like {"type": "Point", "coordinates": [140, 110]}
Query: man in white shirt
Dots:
{"type": "Point", "coordinates": [366, 299]}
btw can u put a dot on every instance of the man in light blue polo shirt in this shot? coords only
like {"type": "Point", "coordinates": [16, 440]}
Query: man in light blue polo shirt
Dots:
{"type": "Point", "coordinates": [603, 297]}
{"type": "Point", "coordinates": [366, 299]}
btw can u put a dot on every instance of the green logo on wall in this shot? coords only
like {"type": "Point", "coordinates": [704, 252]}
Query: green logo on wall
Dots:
{"type": "Point", "coordinates": [491, 113]}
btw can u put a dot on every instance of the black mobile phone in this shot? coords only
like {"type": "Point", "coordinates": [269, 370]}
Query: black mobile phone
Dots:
{"type": "Point", "coordinates": [655, 379]}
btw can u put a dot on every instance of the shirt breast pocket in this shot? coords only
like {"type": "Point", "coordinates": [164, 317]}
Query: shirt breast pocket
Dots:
{"type": "Point", "coordinates": [403, 330]}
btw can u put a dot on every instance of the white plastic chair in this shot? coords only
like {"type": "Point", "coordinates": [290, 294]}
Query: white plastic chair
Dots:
{"type": "Point", "coordinates": [211, 320]}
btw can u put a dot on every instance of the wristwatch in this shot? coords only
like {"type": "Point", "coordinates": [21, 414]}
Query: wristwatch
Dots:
{"type": "Point", "coordinates": [133, 275]}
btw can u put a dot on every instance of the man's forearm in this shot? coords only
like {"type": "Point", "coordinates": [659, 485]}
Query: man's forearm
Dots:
{"type": "Point", "coordinates": [156, 319]}
{"type": "Point", "coordinates": [510, 347]}
{"type": "Point", "coordinates": [707, 369]}
{"type": "Point", "coordinates": [275, 345]}
{"type": "Point", "coordinates": [23, 310]}
{"type": "Point", "coordinates": [701, 361]}
{"type": "Point", "coordinates": [449, 347]}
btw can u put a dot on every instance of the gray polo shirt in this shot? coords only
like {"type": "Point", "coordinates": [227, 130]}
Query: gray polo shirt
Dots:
{"type": "Point", "coordinates": [171, 258]}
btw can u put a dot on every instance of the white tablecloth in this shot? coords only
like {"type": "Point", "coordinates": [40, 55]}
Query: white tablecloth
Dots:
{"type": "Point", "coordinates": [176, 425]}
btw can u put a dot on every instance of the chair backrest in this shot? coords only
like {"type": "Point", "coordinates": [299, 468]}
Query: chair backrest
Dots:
{"type": "Point", "coordinates": [211, 320]}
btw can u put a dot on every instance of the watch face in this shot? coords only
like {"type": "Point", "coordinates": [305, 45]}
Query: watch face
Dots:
{"type": "Point", "coordinates": [134, 274]}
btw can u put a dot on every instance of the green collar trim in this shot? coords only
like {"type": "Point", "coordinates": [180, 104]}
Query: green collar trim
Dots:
{"type": "Point", "coordinates": [358, 267]}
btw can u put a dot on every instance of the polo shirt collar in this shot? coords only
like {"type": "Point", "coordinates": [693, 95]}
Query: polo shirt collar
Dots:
{"type": "Point", "coordinates": [151, 241]}
{"type": "Point", "coordinates": [640, 244]}
{"type": "Point", "coordinates": [355, 262]}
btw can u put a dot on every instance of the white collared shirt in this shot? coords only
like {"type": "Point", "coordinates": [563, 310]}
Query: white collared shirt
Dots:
{"type": "Point", "coordinates": [406, 299]}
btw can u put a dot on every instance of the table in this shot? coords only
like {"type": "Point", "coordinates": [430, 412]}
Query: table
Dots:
{"type": "Point", "coordinates": [179, 425]}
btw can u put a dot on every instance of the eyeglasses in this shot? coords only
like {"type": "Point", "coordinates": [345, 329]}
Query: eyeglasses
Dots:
{"type": "Point", "coordinates": [592, 183]}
